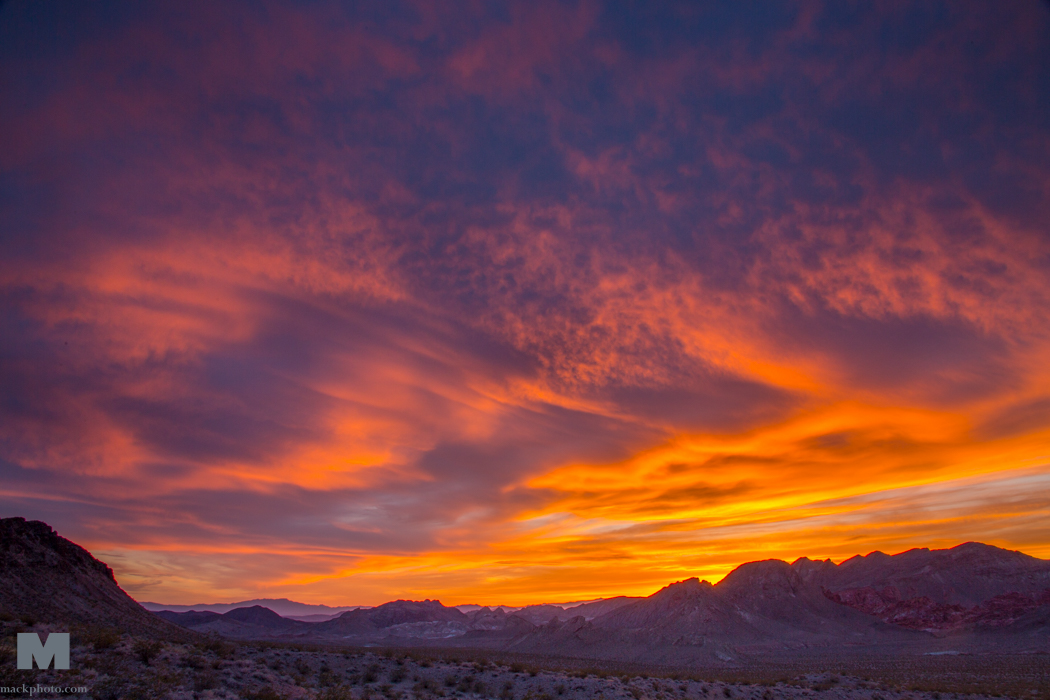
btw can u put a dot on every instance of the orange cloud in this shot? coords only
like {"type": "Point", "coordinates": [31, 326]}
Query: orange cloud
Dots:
{"type": "Point", "coordinates": [540, 305]}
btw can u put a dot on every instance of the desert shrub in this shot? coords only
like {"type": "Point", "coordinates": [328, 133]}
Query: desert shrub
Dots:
{"type": "Point", "coordinates": [98, 638]}
{"type": "Point", "coordinates": [6, 616]}
{"type": "Point", "coordinates": [424, 686]}
{"type": "Point", "coordinates": [109, 689]}
{"type": "Point", "coordinates": [371, 674]}
{"type": "Point", "coordinates": [450, 681]}
{"type": "Point", "coordinates": [146, 650]}
{"type": "Point", "coordinates": [336, 693]}
{"type": "Point", "coordinates": [216, 646]}
{"type": "Point", "coordinates": [727, 691]}
{"type": "Point", "coordinates": [397, 675]}
{"type": "Point", "coordinates": [194, 661]}
{"type": "Point", "coordinates": [7, 654]}
{"type": "Point", "coordinates": [27, 619]}
{"type": "Point", "coordinates": [205, 680]}
{"type": "Point", "coordinates": [262, 694]}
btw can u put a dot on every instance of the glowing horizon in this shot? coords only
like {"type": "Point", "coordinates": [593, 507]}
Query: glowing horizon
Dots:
{"type": "Point", "coordinates": [521, 303]}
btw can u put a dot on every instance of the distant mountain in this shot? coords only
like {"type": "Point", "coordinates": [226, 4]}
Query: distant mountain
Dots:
{"type": "Point", "coordinates": [407, 619]}
{"type": "Point", "coordinates": [255, 622]}
{"type": "Point", "coordinates": [760, 607]}
{"type": "Point", "coordinates": [313, 618]}
{"type": "Point", "coordinates": [971, 586]}
{"type": "Point", "coordinates": [541, 614]}
{"type": "Point", "coordinates": [596, 608]}
{"type": "Point", "coordinates": [281, 606]}
{"type": "Point", "coordinates": [401, 622]}
{"type": "Point", "coordinates": [46, 577]}
{"type": "Point", "coordinates": [967, 575]}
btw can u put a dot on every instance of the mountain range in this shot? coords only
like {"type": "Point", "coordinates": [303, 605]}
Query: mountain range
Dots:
{"type": "Point", "coordinates": [282, 606]}
{"type": "Point", "coordinates": [970, 598]}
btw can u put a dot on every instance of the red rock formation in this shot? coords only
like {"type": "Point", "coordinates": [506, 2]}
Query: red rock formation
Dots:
{"type": "Point", "coordinates": [923, 613]}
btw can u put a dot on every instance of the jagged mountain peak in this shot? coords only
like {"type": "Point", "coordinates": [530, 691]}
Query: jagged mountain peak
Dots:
{"type": "Point", "coordinates": [761, 578]}
{"type": "Point", "coordinates": [689, 586]}
{"type": "Point", "coordinates": [400, 612]}
{"type": "Point", "coordinates": [809, 569]}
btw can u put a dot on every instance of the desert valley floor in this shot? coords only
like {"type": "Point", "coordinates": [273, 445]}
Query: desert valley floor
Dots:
{"type": "Point", "coordinates": [114, 667]}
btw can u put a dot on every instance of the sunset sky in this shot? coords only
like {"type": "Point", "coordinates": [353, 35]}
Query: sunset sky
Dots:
{"type": "Point", "coordinates": [521, 302]}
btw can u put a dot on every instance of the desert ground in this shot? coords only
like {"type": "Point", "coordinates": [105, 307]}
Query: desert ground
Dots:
{"type": "Point", "coordinates": [112, 666]}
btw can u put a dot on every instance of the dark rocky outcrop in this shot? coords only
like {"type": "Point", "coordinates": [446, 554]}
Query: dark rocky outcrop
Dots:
{"type": "Point", "coordinates": [46, 577]}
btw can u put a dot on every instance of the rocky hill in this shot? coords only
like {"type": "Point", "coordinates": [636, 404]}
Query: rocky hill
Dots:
{"type": "Point", "coordinates": [48, 579]}
{"type": "Point", "coordinates": [760, 608]}
{"type": "Point", "coordinates": [255, 622]}
{"type": "Point", "coordinates": [970, 587]}
{"type": "Point", "coordinates": [541, 614]}
{"type": "Point", "coordinates": [966, 575]}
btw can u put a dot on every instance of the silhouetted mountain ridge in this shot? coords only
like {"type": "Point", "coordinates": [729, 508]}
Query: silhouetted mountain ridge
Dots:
{"type": "Point", "coordinates": [46, 577]}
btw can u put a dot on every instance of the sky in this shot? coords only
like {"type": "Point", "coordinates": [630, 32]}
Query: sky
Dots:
{"type": "Point", "coordinates": [522, 302]}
